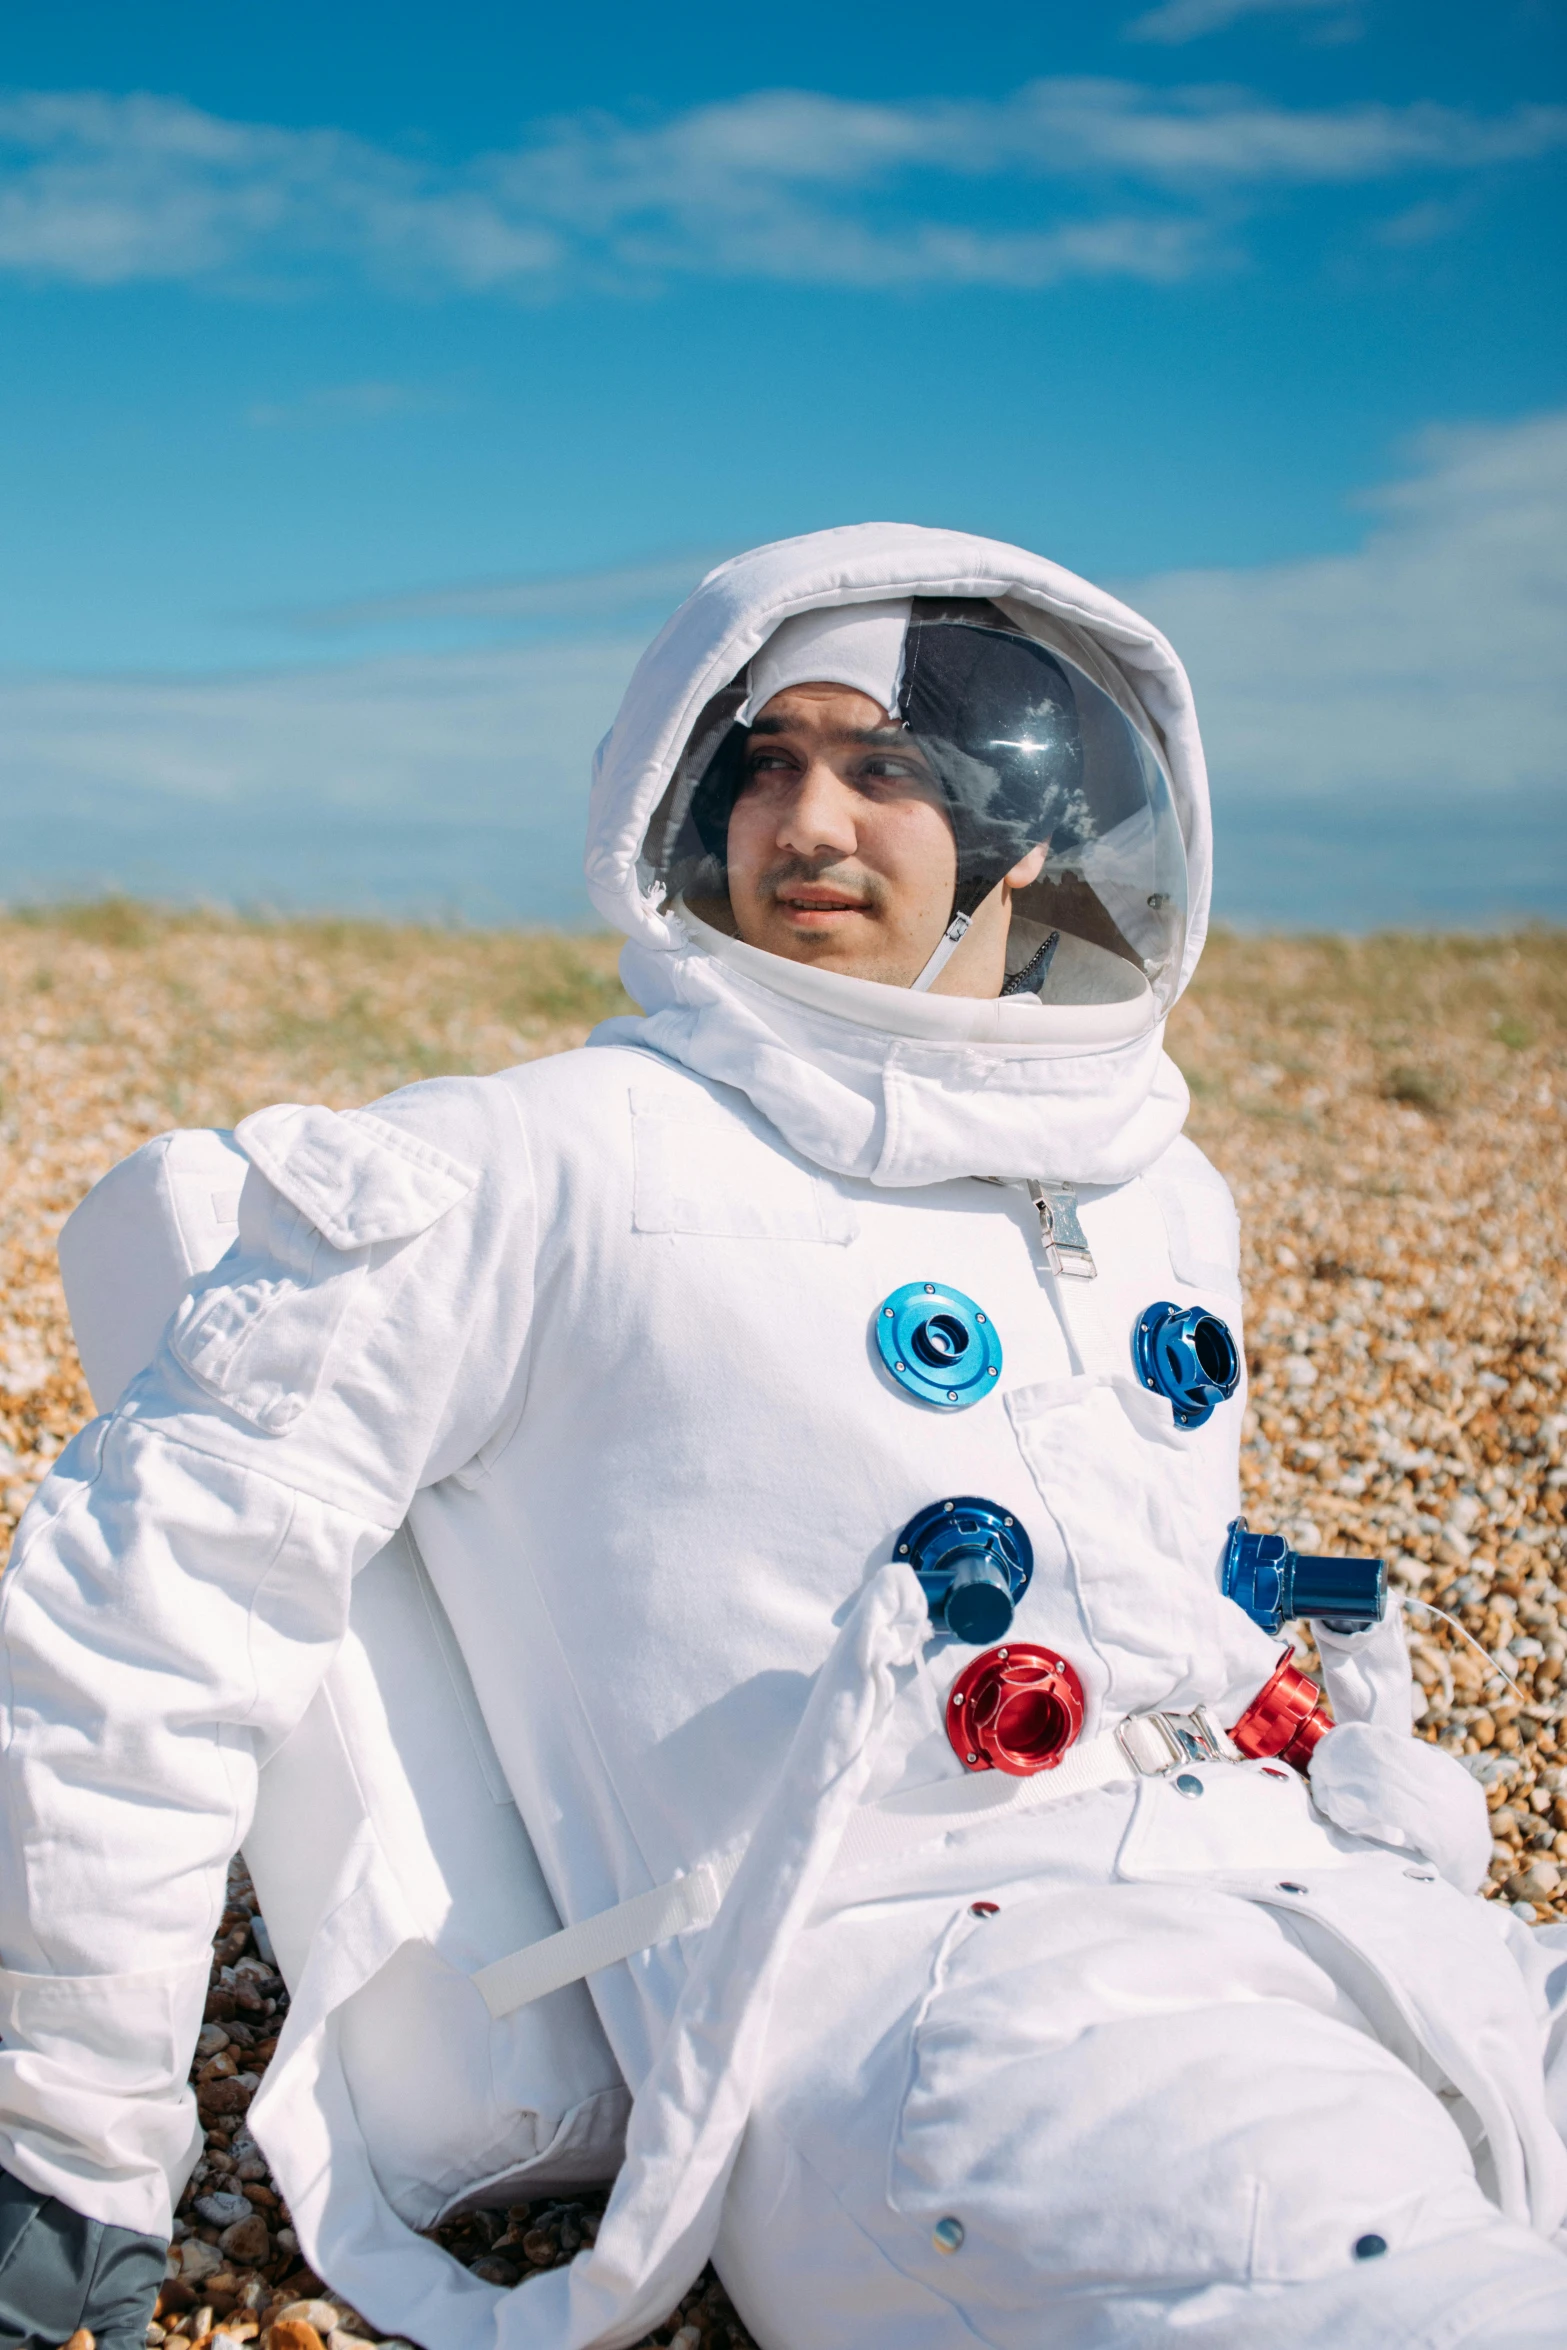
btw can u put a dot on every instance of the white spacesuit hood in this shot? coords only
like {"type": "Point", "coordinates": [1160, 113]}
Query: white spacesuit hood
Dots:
{"type": "Point", "coordinates": [862, 1078]}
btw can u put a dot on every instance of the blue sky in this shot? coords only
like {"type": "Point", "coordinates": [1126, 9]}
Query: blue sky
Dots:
{"type": "Point", "coordinates": [376, 378]}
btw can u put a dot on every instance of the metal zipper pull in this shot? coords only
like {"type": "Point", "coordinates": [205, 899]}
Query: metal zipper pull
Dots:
{"type": "Point", "coordinates": [1062, 1240]}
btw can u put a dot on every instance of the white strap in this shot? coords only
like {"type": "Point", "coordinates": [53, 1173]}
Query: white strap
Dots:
{"type": "Point", "coordinates": [947, 946]}
{"type": "Point", "coordinates": [1098, 1348]}
{"type": "Point", "coordinates": [926, 1816]}
{"type": "Point", "coordinates": [603, 1940]}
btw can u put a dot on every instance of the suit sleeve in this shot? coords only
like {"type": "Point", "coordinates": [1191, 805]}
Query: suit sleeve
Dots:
{"type": "Point", "coordinates": [180, 1584]}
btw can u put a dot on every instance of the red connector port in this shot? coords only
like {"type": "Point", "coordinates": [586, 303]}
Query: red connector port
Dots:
{"type": "Point", "coordinates": [1015, 1709]}
{"type": "Point", "coordinates": [1285, 1718]}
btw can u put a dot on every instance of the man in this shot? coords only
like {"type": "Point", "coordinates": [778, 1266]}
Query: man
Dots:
{"type": "Point", "coordinates": [817, 1408]}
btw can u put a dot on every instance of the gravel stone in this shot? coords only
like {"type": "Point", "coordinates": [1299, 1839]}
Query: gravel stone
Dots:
{"type": "Point", "coordinates": [221, 2211]}
{"type": "Point", "coordinates": [247, 2239]}
{"type": "Point", "coordinates": [1541, 1881]}
{"type": "Point", "coordinates": [293, 2333]}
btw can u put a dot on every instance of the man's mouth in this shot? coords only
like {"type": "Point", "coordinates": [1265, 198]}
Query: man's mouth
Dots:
{"type": "Point", "coordinates": [812, 901]}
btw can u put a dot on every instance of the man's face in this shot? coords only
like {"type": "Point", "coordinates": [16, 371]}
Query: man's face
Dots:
{"type": "Point", "coordinates": [840, 848]}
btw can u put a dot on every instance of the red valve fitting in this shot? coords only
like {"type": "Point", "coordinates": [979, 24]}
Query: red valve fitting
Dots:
{"type": "Point", "coordinates": [1285, 1718]}
{"type": "Point", "coordinates": [1014, 1709]}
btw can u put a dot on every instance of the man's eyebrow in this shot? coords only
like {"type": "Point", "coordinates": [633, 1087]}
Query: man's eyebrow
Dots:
{"type": "Point", "coordinates": [875, 735]}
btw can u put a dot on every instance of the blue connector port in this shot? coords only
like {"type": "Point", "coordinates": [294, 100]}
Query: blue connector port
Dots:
{"type": "Point", "coordinates": [1275, 1584]}
{"type": "Point", "coordinates": [974, 1562]}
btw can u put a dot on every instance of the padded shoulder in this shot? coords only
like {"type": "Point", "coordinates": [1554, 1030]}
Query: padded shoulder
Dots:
{"type": "Point", "coordinates": [1200, 1218]}
{"type": "Point", "coordinates": [358, 1176]}
{"type": "Point", "coordinates": [167, 1212]}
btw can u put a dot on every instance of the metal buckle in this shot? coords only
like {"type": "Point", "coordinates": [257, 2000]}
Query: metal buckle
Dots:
{"type": "Point", "coordinates": [1158, 1743]}
{"type": "Point", "coordinates": [1062, 1240]}
{"type": "Point", "coordinates": [1063, 1244]}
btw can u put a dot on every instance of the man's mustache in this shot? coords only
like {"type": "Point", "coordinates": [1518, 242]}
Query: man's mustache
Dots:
{"type": "Point", "coordinates": [851, 881]}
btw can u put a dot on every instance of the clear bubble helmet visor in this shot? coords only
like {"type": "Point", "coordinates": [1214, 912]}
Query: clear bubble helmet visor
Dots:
{"type": "Point", "coordinates": [1027, 750]}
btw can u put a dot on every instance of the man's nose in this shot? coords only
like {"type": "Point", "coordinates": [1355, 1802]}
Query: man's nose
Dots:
{"type": "Point", "coordinates": [820, 816]}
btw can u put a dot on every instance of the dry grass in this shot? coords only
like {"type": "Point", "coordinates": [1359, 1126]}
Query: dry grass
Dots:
{"type": "Point", "coordinates": [1391, 1114]}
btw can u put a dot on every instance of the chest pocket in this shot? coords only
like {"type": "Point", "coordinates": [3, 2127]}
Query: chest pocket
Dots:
{"type": "Point", "coordinates": [1142, 1510]}
{"type": "Point", "coordinates": [699, 1169]}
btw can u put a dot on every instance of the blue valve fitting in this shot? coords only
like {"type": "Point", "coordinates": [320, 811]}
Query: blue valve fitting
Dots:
{"type": "Point", "coordinates": [938, 1344]}
{"type": "Point", "coordinates": [1188, 1355]}
{"type": "Point", "coordinates": [1275, 1584]}
{"type": "Point", "coordinates": [974, 1562]}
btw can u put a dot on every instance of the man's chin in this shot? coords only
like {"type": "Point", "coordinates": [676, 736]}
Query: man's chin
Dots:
{"type": "Point", "coordinates": [838, 951]}
{"type": "Point", "coordinates": [846, 938]}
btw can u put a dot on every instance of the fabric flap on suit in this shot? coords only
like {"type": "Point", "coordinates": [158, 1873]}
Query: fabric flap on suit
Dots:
{"type": "Point", "coordinates": [1200, 1220]}
{"type": "Point", "coordinates": [358, 1178]}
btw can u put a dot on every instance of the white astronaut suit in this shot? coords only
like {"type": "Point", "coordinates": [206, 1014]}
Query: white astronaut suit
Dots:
{"type": "Point", "coordinates": [586, 1362]}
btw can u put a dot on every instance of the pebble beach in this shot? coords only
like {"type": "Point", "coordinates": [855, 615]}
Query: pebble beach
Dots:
{"type": "Point", "coordinates": [1391, 1114]}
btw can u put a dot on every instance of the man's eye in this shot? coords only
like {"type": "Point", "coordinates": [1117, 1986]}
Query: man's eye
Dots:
{"type": "Point", "coordinates": [888, 768]}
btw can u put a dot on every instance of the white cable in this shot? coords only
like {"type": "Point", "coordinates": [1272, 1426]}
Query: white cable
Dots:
{"type": "Point", "coordinates": [1432, 1610]}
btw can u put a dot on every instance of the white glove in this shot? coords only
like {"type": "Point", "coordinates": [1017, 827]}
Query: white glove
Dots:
{"type": "Point", "coordinates": [1382, 1783]}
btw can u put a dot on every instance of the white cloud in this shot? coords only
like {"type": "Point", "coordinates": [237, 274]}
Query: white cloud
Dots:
{"type": "Point", "coordinates": [1424, 223]}
{"type": "Point", "coordinates": [456, 781]}
{"type": "Point", "coordinates": [1385, 729]}
{"type": "Point", "coordinates": [1227, 139]}
{"type": "Point", "coordinates": [356, 403]}
{"type": "Point", "coordinates": [476, 734]}
{"type": "Point", "coordinates": [104, 190]}
{"type": "Point", "coordinates": [1189, 20]}
{"type": "Point", "coordinates": [590, 597]}
{"type": "Point", "coordinates": [1424, 669]}
{"type": "Point", "coordinates": [1072, 177]}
